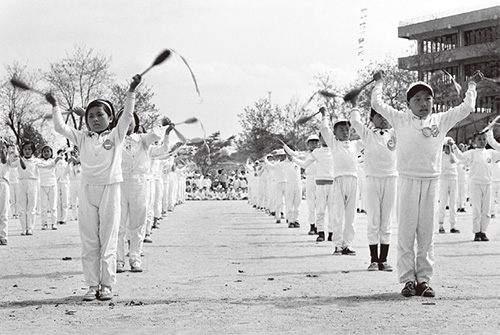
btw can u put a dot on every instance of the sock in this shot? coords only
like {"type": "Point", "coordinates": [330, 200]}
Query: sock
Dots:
{"type": "Point", "coordinates": [384, 250]}
{"type": "Point", "coordinates": [374, 252]}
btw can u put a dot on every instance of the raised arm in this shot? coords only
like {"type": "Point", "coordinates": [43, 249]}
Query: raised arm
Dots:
{"type": "Point", "coordinates": [124, 121]}
{"type": "Point", "coordinates": [378, 103]}
{"type": "Point", "coordinates": [325, 130]}
{"type": "Point", "coordinates": [491, 140]}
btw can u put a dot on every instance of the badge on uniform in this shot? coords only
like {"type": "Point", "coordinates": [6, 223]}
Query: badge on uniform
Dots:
{"type": "Point", "coordinates": [391, 144]}
{"type": "Point", "coordinates": [108, 144]}
{"type": "Point", "coordinates": [433, 131]}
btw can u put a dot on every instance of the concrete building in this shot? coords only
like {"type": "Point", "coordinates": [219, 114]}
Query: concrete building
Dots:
{"type": "Point", "coordinates": [458, 42]}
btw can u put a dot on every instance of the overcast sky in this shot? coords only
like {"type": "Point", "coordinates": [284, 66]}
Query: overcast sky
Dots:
{"type": "Point", "coordinates": [238, 50]}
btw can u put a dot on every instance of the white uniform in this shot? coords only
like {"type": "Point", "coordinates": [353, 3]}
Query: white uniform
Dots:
{"type": "Point", "coordinates": [14, 182]}
{"type": "Point", "coordinates": [48, 191]}
{"type": "Point", "coordinates": [495, 188]}
{"type": "Point", "coordinates": [293, 191]}
{"type": "Point", "coordinates": [418, 162]}
{"type": "Point", "coordinates": [62, 176]}
{"type": "Point", "coordinates": [345, 185]}
{"type": "Point", "coordinates": [448, 185]}
{"type": "Point", "coordinates": [381, 176]}
{"type": "Point", "coordinates": [28, 192]}
{"type": "Point", "coordinates": [278, 189]}
{"type": "Point", "coordinates": [99, 202]}
{"type": "Point", "coordinates": [4, 200]}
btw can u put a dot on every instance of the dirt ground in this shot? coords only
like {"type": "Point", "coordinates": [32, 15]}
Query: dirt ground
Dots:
{"type": "Point", "coordinates": [222, 267]}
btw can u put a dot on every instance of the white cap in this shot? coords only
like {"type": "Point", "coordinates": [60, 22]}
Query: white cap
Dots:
{"type": "Point", "coordinates": [417, 86]}
{"type": "Point", "coordinates": [341, 121]}
{"type": "Point", "coordinates": [312, 138]}
{"type": "Point", "coordinates": [279, 152]}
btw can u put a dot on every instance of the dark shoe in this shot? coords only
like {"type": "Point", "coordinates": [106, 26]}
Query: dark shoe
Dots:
{"type": "Point", "coordinates": [424, 290]}
{"type": "Point", "coordinates": [312, 230]}
{"type": "Point", "coordinates": [321, 236]}
{"type": "Point", "coordinates": [338, 251]}
{"type": "Point", "coordinates": [478, 237]}
{"type": "Point", "coordinates": [278, 221]}
{"type": "Point", "coordinates": [291, 225]}
{"type": "Point", "coordinates": [120, 267]}
{"type": "Point", "coordinates": [135, 267]}
{"type": "Point", "coordinates": [147, 239]}
{"type": "Point", "coordinates": [454, 231]}
{"type": "Point", "coordinates": [349, 251]}
{"type": "Point", "coordinates": [296, 224]}
{"type": "Point", "coordinates": [409, 289]}
{"type": "Point", "coordinates": [484, 238]}
{"type": "Point", "coordinates": [441, 230]}
{"type": "Point", "coordinates": [384, 266]}
{"type": "Point", "coordinates": [330, 237]}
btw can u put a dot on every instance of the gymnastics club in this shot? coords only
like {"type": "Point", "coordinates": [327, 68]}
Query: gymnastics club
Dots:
{"type": "Point", "coordinates": [491, 125]}
{"type": "Point", "coordinates": [304, 119]}
{"type": "Point", "coordinates": [167, 122]}
{"type": "Point", "coordinates": [22, 85]}
{"type": "Point", "coordinates": [160, 59]}
{"type": "Point", "coordinates": [188, 121]}
{"type": "Point", "coordinates": [355, 92]}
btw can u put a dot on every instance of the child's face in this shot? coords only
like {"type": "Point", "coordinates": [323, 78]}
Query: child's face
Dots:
{"type": "Point", "coordinates": [421, 104]}
{"type": "Point", "coordinates": [341, 131]}
{"type": "Point", "coordinates": [27, 152]}
{"type": "Point", "coordinates": [46, 153]}
{"type": "Point", "coordinates": [98, 120]}
{"type": "Point", "coordinates": [311, 145]}
{"type": "Point", "coordinates": [380, 122]}
{"type": "Point", "coordinates": [480, 141]}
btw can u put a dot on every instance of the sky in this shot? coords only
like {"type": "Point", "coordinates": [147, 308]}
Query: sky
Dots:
{"type": "Point", "coordinates": [239, 50]}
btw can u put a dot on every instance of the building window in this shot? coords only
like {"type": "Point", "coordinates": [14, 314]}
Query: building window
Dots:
{"type": "Point", "coordinates": [440, 43]}
{"type": "Point", "coordinates": [479, 36]}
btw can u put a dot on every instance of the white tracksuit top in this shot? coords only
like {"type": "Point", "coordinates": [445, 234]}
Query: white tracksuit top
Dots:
{"type": "Point", "coordinates": [419, 156]}
{"type": "Point", "coordinates": [31, 171]}
{"type": "Point", "coordinates": [344, 153]}
{"type": "Point", "coordinates": [47, 172]}
{"type": "Point", "coordinates": [380, 146]}
{"type": "Point", "coordinates": [136, 160]}
{"type": "Point", "coordinates": [100, 155]}
{"type": "Point", "coordinates": [480, 162]}
{"type": "Point", "coordinates": [449, 169]}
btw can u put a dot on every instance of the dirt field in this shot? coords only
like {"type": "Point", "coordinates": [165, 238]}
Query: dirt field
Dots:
{"type": "Point", "coordinates": [226, 268]}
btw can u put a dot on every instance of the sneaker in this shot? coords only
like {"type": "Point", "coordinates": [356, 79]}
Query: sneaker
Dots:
{"type": "Point", "coordinates": [62, 222]}
{"type": "Point", "coordinates": [147, 239]}
{"type": "Point", "coordinates": [478, 237]}
{"type": "Point", "coordinates": [54, 227]}
{"type": "Point", "coordinates": [338, 251]}
{"type": "Point", "coordinates": [91, 294]}
{"type": "Point", "coordinates": [373, 266]}
{"type": "Point", "coordinates": [106, 293]}
{"type": "Point", "coordinates": [29, 232]}
{"type": "Point", "coordinates": [120, 267]}
{"type": "Point", "coordinates": [312, 230]}
{"type": "Point", "coordinates": [135, 267]}
{"type": "Point", "coordinates": [384, 266]}
{"type": "Point", "coordinates": [3, 241]}
{"type": "Point", "coordinates": [484, 238]}
{"type": "Point", "coordinates": [409, 289]}
{"type": "Point", "coordinates": [492, 216]}
{"type": "Point", "coordinates": [296, 224]}
{"type": "Point", "coordinates": [330, 237]}
{"type": "Point", "coordinates": [423, 289]}
{"type": "Point", "coordinates": [441, 230]}
{"type": "Point", "coordinates": [349, 251]}
{"type": "Point", "coordinates": [321, 236]}
{"type": "Point", "coordinates": [278, 221]}
{"type": "Point", "coordinates": [291, 225]}
{"type": "Point", "coordinates": [23, 232]}
{"type": "Point", "coordinates": [454, 231]}
{"type": "Point", "coordinates": [44, 227]}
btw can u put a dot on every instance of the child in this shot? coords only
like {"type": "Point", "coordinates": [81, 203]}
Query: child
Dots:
{"type": "Point", "coordinates": [28, 187]}
{"type": "Point", "coordinates": [381, 176]}
{"type": "Point", "coordinates": [4, 192]}
{"type": "Point", "coordinates": [312, 143]}
{"type": "Point", "coordinates": [480, 161]}
{"type": "Point", "coordinates": [48, 188]}
{"type": "Point", "coordinates": [99, 203]}
{"type": "Point", "coordinates": [75, 180]}
{"type": "Point", "coordinates": [345, 185]}
{"type": "Point", "coordinates": [420, 137]}
{"type": "Point", "coordinates": [278, 180]}
{"type": "Point", "coordinates": [448, 184]}
{"type": "Point", "coordinates": [13, 180]}
{"type": "Point", "coordinates": [134, 193]}
{"type": "Point", "coordinates": [293, 192]}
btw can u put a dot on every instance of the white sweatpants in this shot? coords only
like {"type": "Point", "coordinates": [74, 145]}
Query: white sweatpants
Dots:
{"type": "Point", "coordinates": [481, 202]}
{"type": "Point", "coordinates": [99, 222]}
{"type": "Point", "coordinates": [150, 206]}
{"type": "Point", "coordinates": [293, 196]}
{"type": "Point", "coordinates": [158, 197]}
{"type": "Point", "coordinates": [311, 200]}
{"type": "Point", "coordinates": [4, 208]}
{"type": "Point", "coordinates": [380, 204]}
{"type": "Point", "coordinates": [279, 199]}
{"type": "Point", "coordinates": [74, 191]}
{"type": "Point", "coordinates": [344, 210]}
{"type": "Point", "coordinates": [48, 204]}
{"type": "Point", "coordinates": [62, 201]}
{"type": "Point", "coordinates": [134, 208]}
{"type": "Point", "coordinates": [417, 202]}
{"type": "Point", "coordinates": [448, 197]}
{"type": "Point", "coordinates": [324, 202]}
{"type": "Point", "coordinates": [27, 197]}
{"type": "Point", "coordinates": [495, 196]}
{"type": "Point", "coordinates": [13, 198]}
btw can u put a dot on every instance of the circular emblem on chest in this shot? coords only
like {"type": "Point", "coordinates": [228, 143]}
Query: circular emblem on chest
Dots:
{"type": "Point", "coordinates": [108, 144]}
{"type": "Point", "coordinates": [427, 131]}
{"type": "Point", "coordinates": [391, 144]}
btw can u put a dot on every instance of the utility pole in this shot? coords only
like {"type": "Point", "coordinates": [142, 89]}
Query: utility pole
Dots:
{"type": "Point", "coordinates": [269, 92]}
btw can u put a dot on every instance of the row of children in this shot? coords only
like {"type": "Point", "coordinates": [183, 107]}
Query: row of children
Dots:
{"type": "Point", "coordinates": [217, 193]}
{"type": "Point", "coordinates": [119, 166]}
{"type": "Point", "coordinates": [402, 164]}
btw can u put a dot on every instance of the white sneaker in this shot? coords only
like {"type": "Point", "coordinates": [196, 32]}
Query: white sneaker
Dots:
{"type": "Point", "coordinates": [91, 294]}
{"type": "Point", "coordinates": [106, 293]}
{"type": "Point", "coordinates": [373, 266]}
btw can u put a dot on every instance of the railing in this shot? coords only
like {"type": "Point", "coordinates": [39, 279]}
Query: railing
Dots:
{"type": "Point", "coordinates": [450, 12]}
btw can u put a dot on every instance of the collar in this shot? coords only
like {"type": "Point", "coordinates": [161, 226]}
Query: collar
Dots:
{"type": "Point", "coordinates": [420, 118]}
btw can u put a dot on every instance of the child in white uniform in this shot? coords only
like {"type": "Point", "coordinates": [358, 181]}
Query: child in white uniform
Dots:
{"type": "Point", "coordinates": [28, 188]}
{"type": "Point", "coordinates": [345, 183]}
{"type": "Point", "coordinates": [4, 192]}
{"type": "Point", "coordinates": [99, 203]}
{"type": "Point", "coordinates": [420, 137]}
{"type": "Point", "coordinates": [13, 181]}
{"type": "Point", "coordinates": [448, 185]}
{"type": "Point", "coordinates": [48, 189]}
{"type": "Point", "coordinates": [62, 176]}
{"type": "Point", "coordinates": [381, 176]}
{"type": "Point", "coordinates": [480, 161]}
